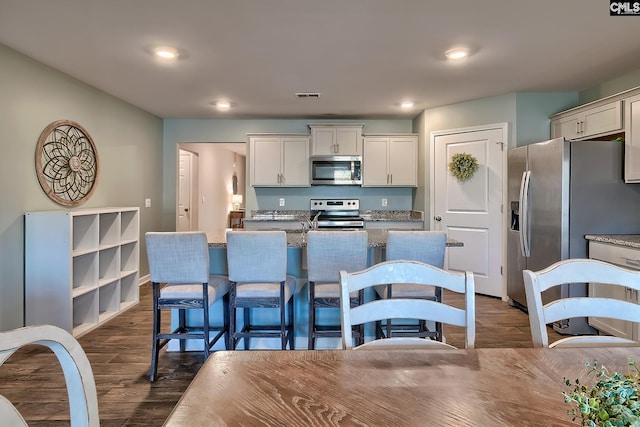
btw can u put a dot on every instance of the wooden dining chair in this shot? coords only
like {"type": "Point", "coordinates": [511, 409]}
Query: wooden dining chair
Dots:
{"type": "Point", "coordinates": [579, 271]}
{"type": "Point", "coordinates": [181, 260]}
{"type": "Point", "coordinates": [78, 375]}
{"type": "Point", "coordinates": [328, 252]}
{"type": "Point", "coordinates": [413, 272]}
{"type": "Point", "coordinates": [257, 266]}
{"type": "Point", "coordinates": [425, 246]}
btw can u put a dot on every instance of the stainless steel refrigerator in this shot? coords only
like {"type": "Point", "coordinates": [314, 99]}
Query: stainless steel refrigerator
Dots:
{"type": "Point", "coordinates": [558, 192]}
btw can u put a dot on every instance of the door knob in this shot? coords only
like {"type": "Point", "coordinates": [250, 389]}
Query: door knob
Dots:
{"type": "Point", "coordinates": [437, 218]}
{"type": "Point", "coordinates": [186, 209]}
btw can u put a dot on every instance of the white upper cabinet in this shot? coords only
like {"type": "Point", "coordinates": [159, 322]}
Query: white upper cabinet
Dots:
{"type": "Point", "coordinates": [279, 160]}
{"type": "Point", "coordinates": [588, 122]}
{"type": "Point", "coordinates": [336, 140]}
{"type": "Point", "coordinates": [390, 161]}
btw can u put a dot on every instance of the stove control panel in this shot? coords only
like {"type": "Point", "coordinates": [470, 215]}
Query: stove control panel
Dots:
{"type": "Point", "coordinates": [334, 204]}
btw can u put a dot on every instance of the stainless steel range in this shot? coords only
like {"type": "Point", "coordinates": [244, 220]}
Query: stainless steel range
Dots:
{"type": "Point", "coordinates": [336, 214]}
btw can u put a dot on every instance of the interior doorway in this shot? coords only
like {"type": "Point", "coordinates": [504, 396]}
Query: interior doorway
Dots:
{"type": "Point", "coordinates": [207, 173]}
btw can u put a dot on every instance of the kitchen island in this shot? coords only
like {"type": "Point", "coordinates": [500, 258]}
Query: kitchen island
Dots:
{"type": "Point", "coordinates": [296, 267]}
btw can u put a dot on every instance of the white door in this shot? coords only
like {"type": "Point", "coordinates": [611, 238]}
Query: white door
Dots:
{"type": "Point", "coordinates": [471, 211]}
{"type": "Point", "coordinates": [184, 192]}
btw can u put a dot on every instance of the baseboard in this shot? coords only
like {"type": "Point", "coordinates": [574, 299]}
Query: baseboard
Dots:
{"type": "Point", "coordinates": [144, 279]}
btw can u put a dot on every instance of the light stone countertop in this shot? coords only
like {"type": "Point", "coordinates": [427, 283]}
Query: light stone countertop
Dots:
{"type": "Point", "coordinates": [628, 240]}
{"type": "Point", "coordinates": [377, 239]}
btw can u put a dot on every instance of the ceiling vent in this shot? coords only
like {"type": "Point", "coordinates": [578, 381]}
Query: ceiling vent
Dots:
{"type": "Point", "coordinates": [307, 95]}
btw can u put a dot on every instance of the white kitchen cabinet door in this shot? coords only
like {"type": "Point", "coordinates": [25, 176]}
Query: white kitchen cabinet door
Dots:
{"type": "Point", "coordinates": [390, 161]}
{"type": "Point", "coordinates": [266, 161]}
{"type": "Point", "coordinates": [295, 163]}
{"type": "Point", "coordinates": [589, 122]}
{"type": "Point", "coordinates": [336, 140]}
{"type": "Point", "coordinates": [632, 139]}
{"type": "Point", "coordinates": [374, 163]}
{"type": "Point", "coordinates": [403, 161]}
{"type": "Point", "coordinates": [279, 161]}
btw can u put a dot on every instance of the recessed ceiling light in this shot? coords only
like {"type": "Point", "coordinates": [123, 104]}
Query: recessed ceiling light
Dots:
{"type": "Point", "coordinates": [166, 53]}
{"type": "Point", "coordinates": [223, 105]}
{"type": "Point", "coordinates": [406, 104]}
{"type": "Point", "coordinates": [457, 53]}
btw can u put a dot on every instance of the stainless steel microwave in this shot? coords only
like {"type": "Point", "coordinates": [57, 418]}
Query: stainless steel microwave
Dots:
{"type": "Point", "coordinates": [336, 170]}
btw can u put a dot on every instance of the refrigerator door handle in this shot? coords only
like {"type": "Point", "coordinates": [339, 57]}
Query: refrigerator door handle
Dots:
{"type": "Point", "coordinates": [524, 214]}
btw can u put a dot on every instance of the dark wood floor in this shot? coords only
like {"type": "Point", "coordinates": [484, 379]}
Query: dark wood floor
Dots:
{"type": "Point", "coordinates": [119, 352]}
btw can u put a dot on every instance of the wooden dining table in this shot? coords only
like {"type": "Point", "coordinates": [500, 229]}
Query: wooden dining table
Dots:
{"type": "Point", "coordinates": [479, 387]}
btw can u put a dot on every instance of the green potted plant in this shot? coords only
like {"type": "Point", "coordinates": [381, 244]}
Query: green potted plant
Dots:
{"type": "Point", "coordinates": [611, 401]}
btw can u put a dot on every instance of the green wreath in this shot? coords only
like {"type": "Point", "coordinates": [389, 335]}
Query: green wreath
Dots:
{"type": "Point", "coordinates": [463, 166]}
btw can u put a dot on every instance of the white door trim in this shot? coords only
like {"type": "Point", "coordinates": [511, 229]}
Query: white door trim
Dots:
{"type": "Point", "coordinates": [506, 144]}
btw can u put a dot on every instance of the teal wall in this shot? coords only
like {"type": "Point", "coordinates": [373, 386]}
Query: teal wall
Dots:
{"type": "Point", "coordinates": [127, 140]}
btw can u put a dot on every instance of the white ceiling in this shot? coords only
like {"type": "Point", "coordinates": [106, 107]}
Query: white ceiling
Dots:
{"type": "Point", "coordinates": [363, 56]}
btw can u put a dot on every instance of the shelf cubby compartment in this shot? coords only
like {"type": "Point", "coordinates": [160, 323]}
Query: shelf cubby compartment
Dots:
{"type": "Point", "coordinates": [85, 312]}
{"type": "Point", "coordinates": [85, 272]}
{"type": "Point", "coordinates": [108, 301]}
{"type": "Point", "coordinates": [128, 290]}
{"type": "Point", "coordinates": [129, 226]}
{"type": "Point", "coordinates": [109, 265]}
{"type": "Point", "coordinates": [85, 233]}
{"type": "Point", "coordinates": [109, 229]}
{"type": "Point", "coordinates": [129, 258]}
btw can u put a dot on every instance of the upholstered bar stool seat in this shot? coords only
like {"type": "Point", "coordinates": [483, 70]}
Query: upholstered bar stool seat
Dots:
{"type": "Point", "coordinates": [266, 290]}
{"type": "Point", "coordinates": [329, 290]}
{"type": "Point", "coordinates": [218, 287]}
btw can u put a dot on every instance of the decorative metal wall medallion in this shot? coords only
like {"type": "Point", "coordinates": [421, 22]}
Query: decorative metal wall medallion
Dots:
{"type": "Point", "coordinates": [67, 163]}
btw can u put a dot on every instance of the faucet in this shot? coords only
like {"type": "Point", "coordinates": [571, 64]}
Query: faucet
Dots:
{"type": "Point", "coordinates": [311, 224]}
{"type": "Point", "coordinates": [314, 221]}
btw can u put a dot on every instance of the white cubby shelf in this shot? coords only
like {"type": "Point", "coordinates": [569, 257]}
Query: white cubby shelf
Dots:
{"type": "Point", "coordinates": [81, 266]}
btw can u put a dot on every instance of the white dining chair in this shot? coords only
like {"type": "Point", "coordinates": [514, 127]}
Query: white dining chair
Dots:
{"type": "Point", "coordinates": [181, 260]}
{"type": "Point", "coordinates": [427, 246]}
{"type": "Point", "coordinates": [328, 252]}
{"type": "Point", "coordinates": [579, 271]}
{"type": "Point", "coordinates": [257, 267]}
{"type": "Point", "coordinates": [417, 273]}
{"type": "Point", "coordinates": [78, 375]}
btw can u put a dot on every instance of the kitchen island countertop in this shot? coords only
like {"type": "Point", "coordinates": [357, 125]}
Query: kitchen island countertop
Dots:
{"type": "Point", "coordinates": [629, 240]}
{"type": "Point", "coordinates": [377, 239]}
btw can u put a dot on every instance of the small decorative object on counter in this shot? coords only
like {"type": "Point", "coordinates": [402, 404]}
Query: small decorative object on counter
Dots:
{"type": "Point", "coordinates": [611, 401]}
{"type": "Point", "coordinates": [463, 166]}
